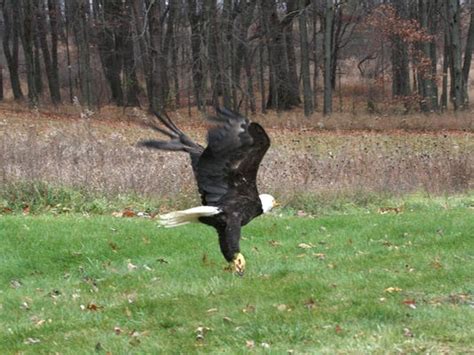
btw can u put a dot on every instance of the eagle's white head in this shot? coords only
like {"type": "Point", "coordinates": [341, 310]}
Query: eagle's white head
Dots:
{"type": "Point", "coordinates": [268, 202]}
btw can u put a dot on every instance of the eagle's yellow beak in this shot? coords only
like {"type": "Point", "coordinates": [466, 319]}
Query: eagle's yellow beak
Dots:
{"type": "Point", "coordinates": [238, 264]}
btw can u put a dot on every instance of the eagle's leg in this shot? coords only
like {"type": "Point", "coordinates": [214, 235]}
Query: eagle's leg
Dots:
{"type": "Point", "coordinates": [238, 264]}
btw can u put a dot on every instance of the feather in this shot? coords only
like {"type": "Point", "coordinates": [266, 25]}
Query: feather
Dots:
{"type": "Point", "coordinates": [191, 215]}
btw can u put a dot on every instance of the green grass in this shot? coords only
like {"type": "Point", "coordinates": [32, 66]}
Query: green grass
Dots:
{"type": "Point", "coordinates": [74, 284]}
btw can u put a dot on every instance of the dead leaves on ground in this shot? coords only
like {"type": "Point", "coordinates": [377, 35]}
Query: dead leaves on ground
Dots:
{"type": "Point", "coordinates": [395, 210]}
{"type": "Point", "coordinates": [306, 245]}
{"type": "Point", "coordinates": [393, 289]}
{"type": "Point", "coordinates": [129, 213]}
{"type": "Point", "coordinates": [93, 307]}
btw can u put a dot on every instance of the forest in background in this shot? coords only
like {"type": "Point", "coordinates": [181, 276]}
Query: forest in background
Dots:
{"type": "Point", "coordinates": [249, 55]}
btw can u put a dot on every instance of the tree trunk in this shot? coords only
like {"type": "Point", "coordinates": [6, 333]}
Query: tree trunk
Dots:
{"type": "Point", "coordinates": [26, 33]}
{"type": "Point", "coordinates": [453, 16]}
{"type": "Point", "coordinates": [51, 71]}
{"type": "Point", "coordinates": [226, 45]}
{"type": "Point", "coordinates": [315, 53]}
{"type": "Point", "coordinates": [245, 9]}
{"type": "Point", "coordinates": [468, 56]}
{"type": "Point", "coordinates": [131, 85]}
{"type": "Point", "coordinates": [80, 12]}
{"type": "Point", "coordinates": [399, 57]}
{"type": "Point", "coordinates": [305, 73]}
{"type": "Point", "coordinates": [54, 16]}
{"type": "Point", "coordinates": [67, 16]}
{"type": "Point", "coordinates": [109, 42]}
{"type": "Point", "coordinates": [37, 56]}
{"type": "Point", "coordinates": [159, 76]}
{"type": "Point", "coordinates": [433, 19]}
{"type": "Point", "coordinates": [328, 19]}
{"type": "Point", "coordinates": [11, 24]}
{"type": "Point", "coordinates": [174, 66]}
{"type": "Point", "coordinates": [291, 55]}
{"type": "Point", "coordinates": [446, 65]}
{"type": "Point", "coordinates": [425, 84]}
{"type": "Point", "coordinates": [214, 70]}
{"type": "Point", "coordinates": [280, 83]}
{"type": "Point", "coordinates": [141, 32]}
{"type": "Point", "coordinates": [261, 76]}
{"type": "Point", "coordinates": [195, 18]}
{"type": "Point", "coordinates": [1, 82]}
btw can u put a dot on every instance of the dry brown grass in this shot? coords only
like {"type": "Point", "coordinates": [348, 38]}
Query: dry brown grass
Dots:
{"type": "Point", "coordinates": [99, 154]}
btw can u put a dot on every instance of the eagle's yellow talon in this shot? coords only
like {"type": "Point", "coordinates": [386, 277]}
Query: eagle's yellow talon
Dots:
{"type": "Point", "coordinates": [239, 264]}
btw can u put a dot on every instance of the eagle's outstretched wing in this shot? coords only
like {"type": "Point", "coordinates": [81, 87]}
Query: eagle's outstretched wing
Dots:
{"type": "Point", "coordinates": [179, 141]}
{"type": "Point", "coordinates": [229, 164]}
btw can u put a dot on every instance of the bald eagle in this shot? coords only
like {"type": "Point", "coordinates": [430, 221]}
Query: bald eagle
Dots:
{"type": "Point", "coordinates": [226, 174]}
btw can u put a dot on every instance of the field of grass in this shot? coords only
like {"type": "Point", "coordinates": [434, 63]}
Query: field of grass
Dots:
{"type": "Point", "coordinates": [358, 282]}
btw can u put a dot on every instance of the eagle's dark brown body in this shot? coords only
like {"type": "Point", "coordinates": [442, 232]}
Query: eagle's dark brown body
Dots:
{"type": "Point", "coordinates": [226, 171]}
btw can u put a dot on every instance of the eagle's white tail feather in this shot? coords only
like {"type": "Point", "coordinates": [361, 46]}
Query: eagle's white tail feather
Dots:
{"type": "Point", "coordinates": [191, 215]}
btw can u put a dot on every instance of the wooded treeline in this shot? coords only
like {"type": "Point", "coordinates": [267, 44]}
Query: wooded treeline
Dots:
{"type": "Point", "coordinates": [245, 54]}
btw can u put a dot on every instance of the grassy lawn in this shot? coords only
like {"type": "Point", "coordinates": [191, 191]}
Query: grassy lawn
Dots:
{"type": "Point", "coordinates": [358, 283]}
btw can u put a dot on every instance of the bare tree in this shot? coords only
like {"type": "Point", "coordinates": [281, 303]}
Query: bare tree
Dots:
{"type": "Point", "coordinates": [328, 43]}
{"type": "Point", "coordinates": [50, 57]}
{"type": "Point", "coordinates": [453, 10]}
{"type": "Point", "coordinates": [305, 68]}
{"type": "Point", "coordinates": [282, 95]}
{"type": "Point", "coordinates": [468, 54]}
{"type": "Point", "coordinates": [11, 45]}
{"type": "Point", "coordinates": [26, 21]}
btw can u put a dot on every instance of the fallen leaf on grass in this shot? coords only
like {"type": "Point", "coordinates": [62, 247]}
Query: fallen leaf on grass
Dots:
{"type": "Point", "coordinates": [212, 310]}
{"type": "Point", "coordinates": [26, 210]}
{"type": "Point", "coordinates": [393, 289]}
{"type": "Point", "coordinates": [6, 210]}
{"type": "Point", "coordinates": [301, 213]}
{"type": "Point", "coordinates": [310, 303]}
{"type": "Point", "coordinates": [113, 246]}
{"type": "Point", "coordinates": [54, 294]}
{"type": "Point", "coordinates": [249, 309]}
{"type": "Point", "coordinates": [320, 256]}
{"type": "Point", "coordinates": [40, 322]}
{"type": "Point", "coordinates": [410, 303]}
{"type": "Point", "coordinates": [15, 283]}
{"type": "Point", "coordinates": [131, 266]}
{"type": "Point", "coordinates": [128, 213]}
{"type": "Point", "coordinates": [282, 307]}
{"type": "Point", "coordinates": [250, 344]}
{"type": "Point", "coordinates": [30, 341]}
{"type": "Point", "coordinates": [134, 342]}
{"type": "Point", "coordinates": [274, 243]}
{"type": "Point", "coordinates": [436, 264]}
{"type": "Point", "coordinates": [200, 332]}
{"type": "Point", "coordinates": [265, 345]}
{"type": "Point", "coordinates": [117, 330]}
{"type": "Point", "coordinates": [407, 332]}
{"type": "Point", "coordinates": [134, 333]}
{"type": "Point", "coordinates": [338, 329]}
{"type": "Point", "coordinates": [385, 210]}
{"type": "Point", "coordinates": [90, 307]}
{"type": "Point", "coordinates": [305, 245]}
